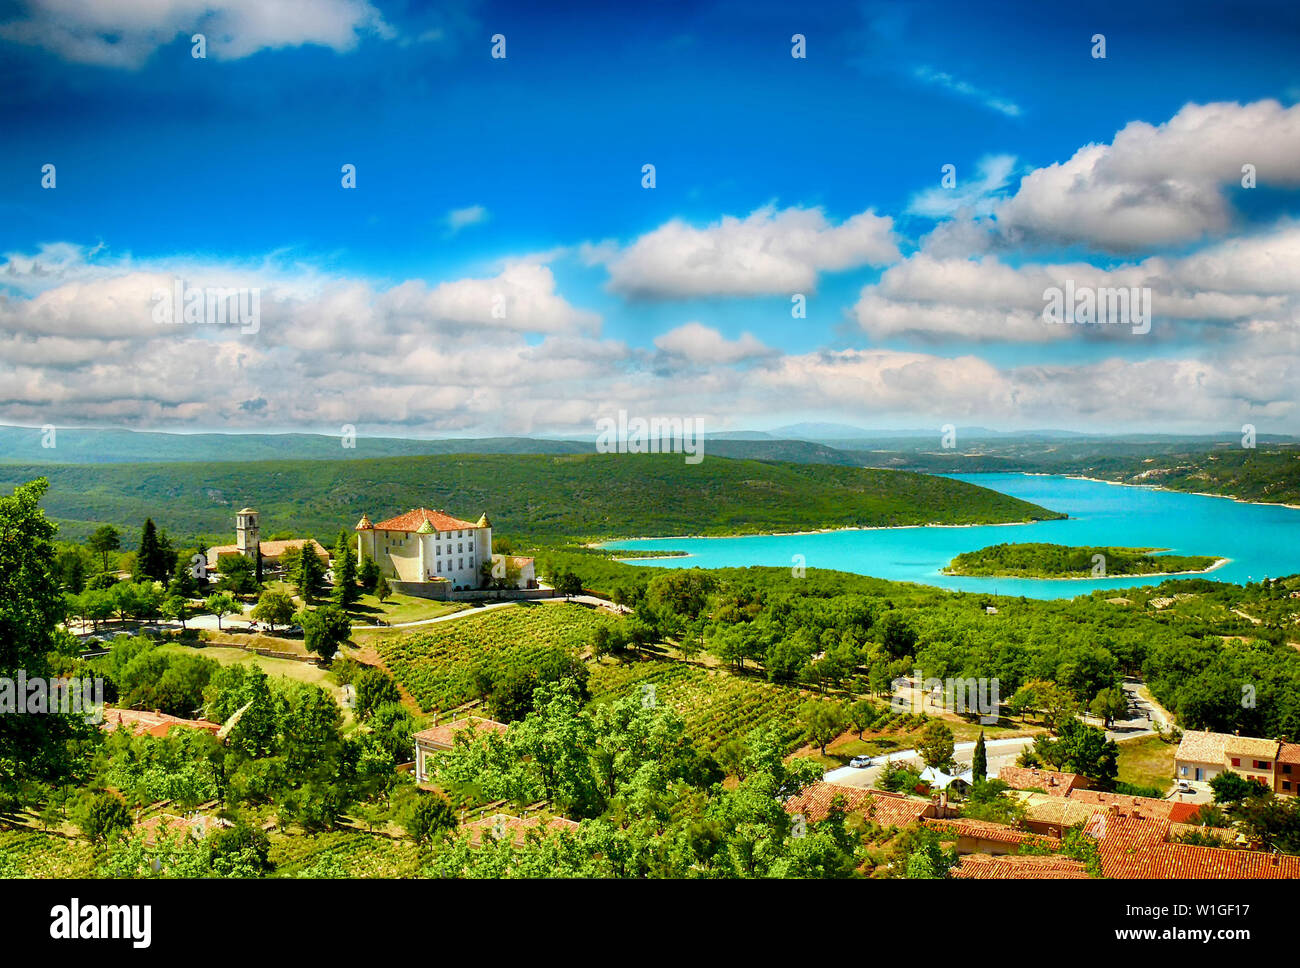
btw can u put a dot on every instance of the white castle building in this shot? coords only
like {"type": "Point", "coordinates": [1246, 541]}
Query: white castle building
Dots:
{"type": "Point", "coordinates": [441, 553]}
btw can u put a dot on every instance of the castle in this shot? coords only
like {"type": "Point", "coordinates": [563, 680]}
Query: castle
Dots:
{"type": "Point", "coordinates": [430, 553]}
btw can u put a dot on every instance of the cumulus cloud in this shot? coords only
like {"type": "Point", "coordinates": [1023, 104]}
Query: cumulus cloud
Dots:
{"type": "Point", "coordinates": [1234, 285]}
{"type": "Point", "coordinates": [1157, 184]}
{"type": "Point", "coordinates": [700, 344]}
{"type": "Point", "coordinates": [126, 32]}
{"type": "Point", "coordinates": [769, 251]}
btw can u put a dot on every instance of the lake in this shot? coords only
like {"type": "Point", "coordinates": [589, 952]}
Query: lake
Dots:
{"type": "Point", "coordinates": [1262, 540]}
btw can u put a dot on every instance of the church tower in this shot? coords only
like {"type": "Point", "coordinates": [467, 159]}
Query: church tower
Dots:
{"type": "Point", "coordinates": [246, 534]}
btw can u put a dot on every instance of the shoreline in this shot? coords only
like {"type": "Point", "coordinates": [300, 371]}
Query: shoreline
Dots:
{"type": "Point", "coordinates": [601, 545]}
{"type": "Point", "coordinates": [1167, 490]}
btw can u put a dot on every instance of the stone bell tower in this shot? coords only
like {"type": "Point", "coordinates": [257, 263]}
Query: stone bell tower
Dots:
{"type": "Point", "coordinates": [246, 534]}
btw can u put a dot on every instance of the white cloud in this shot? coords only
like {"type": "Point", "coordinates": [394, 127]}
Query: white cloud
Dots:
{"type": "Point", "coordinates": [967, 90]}
{"type": "Point", "coordinates": [972, 196]}
{"type": "Point", "coordinates": [461, 218]}
{"type": "Point", "coordinates": [125, 33]}
{"type": "Point", "coordinates": [769, 251]}
{"type": "Point", "coordinates": [1157, 184]}
{"type": "Point", "coordinates": [704, 345]}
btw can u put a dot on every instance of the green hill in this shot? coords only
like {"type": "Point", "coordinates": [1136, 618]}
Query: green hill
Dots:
{"type": "Point", "coordinates": [1040, 560]}
{"type": "Point", "coordinates": [586, 496]}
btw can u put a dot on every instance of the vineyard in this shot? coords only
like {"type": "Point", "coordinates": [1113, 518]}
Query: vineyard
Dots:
{"type": "Point", "coordinates": [716, 705]}
{"type": "Point", "coordinates": [439, 666]}
{"type": "Point", "coordinates": [344, 853]}
{"type": "Point", "coordinates": [26, 853]}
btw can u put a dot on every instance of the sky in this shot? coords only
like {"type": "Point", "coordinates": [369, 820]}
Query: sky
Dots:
{"type": "Point", "coordinates": [497, 261]}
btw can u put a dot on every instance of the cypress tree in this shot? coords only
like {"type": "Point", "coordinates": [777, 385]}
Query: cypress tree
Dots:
{"type": "Point", "coordinates": [345, 572]}
{"type": "Point", "coordinates": [150, 560]}
{"type": "Point", "coordinates": [980, 761]}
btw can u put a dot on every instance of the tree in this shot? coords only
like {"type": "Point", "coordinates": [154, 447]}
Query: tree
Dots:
{"type": "Point", "coordinates": [1080, 749]}
{"type": "Point", "coordinates": [105, 539]}
{"type": "Point", "coordinates": [238, 574]}
{"type": "Point", "coordinates": [568, 584]}
{"type": "Point", "coordinates": [31, 607]}
{"type": "Point", "coordinates": [822, 721]}
{"type": "Point", "coordinates": [428, 815]}
{"type": "Point", "coordinates": [324, 629]}
{"type": "Point", "coordinates": [345, 572]}
{"type": "Point", "coordinates": [1109, 705]}
{"type": "Point", "coordinates": [382, 591]}
{"type": "Point", "coordinates": [274, 608]}
{"type": "Point", "coordinates": [220, 604]}
{"type": "Point", "coordinates": [71, 571]}
{"type": "Point", "coordinates": [176, 608]}
{"type": "Point", "coordinates": [368, 575]}
{"type": "Point", "coordinates": [1233, 788]}
{"type": "Point", "coordinates": [374, 687]}
{"type": "Point", "coordinates": [936, 746]}
{"type": "Point", "coordinates": [183, 582]}
{"type": "Point", "coordinates": [861, 715]}
{"type": "Point", "coordinates": [101, 815]}
{"type": "Point", "coordinates": [310, 577]}
{"type": "Point", "coordinates": [979, 764]}
{"type": "Point", "coordinates": [151, 558]}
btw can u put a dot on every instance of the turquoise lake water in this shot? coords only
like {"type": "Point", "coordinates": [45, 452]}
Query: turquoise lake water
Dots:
{"type": "Point", "coordinates": [1262, 540]}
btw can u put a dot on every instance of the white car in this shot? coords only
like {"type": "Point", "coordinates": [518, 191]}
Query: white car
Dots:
{"type": "Point", "coordinates": [860, 762]}
{"type": "Point", "coordinates": [1185, 787]}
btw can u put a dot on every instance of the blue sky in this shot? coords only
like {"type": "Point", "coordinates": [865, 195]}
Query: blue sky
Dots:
{"type": "Point", "coordinates": [520, 178]}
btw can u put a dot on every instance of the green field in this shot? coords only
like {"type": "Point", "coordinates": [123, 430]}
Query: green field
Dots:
{"type": "Point", "coordinates": [437, 665]}
{"type": "Point", "coordinates": [716, 705]}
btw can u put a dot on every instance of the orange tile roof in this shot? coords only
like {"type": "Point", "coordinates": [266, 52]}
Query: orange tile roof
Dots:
{"type": "Point", "coordinates": [411, 521]}
{"type": "Point", "coordinates": [1289, 753]}
{"type": "Point", "coordinates": [1264, 749]}
{"type": "Point", "coordinates": [1049, 781]}
{"type": "Point", "coordinates": [1133, 848]}
{"type": "Point", "coordinates": [166, 824]}
{"type": "Point", "coordinates": [268, 549]}
{"type": "Point", "coordinates": [445, 735]}
{"type": "Point", "coordinates": [985, 830]}
{"type": "Point", "coordinates": [1010, 867]}
{"type": "Point", "coordinates": [1127, 806]}
{"type": "Point", "coordinates": [141, 723]}
{"type": "Point", "coordinates": [885, 809]}
{"type": "Point", "coordinates": [499, 825]}
{"type": "Point", "coordinates": [1200, 746]}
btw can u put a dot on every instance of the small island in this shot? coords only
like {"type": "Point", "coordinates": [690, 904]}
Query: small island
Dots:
{"type": "Point", "coordinates": [1041, 560]}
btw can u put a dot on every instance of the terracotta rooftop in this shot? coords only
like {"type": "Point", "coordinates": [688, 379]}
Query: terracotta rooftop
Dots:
{"type": "Point", "coordinates": [1127, 806]}
{"type": "Point", "coordinates": [1201, 747]}
{"type": "Point", "coordinates": [445, 735]}
{"type": "Point", "coordinates": [1049, 808]}
{"type": "Point", "coordinates": [885, 809]}
{"type": "Point", "coordinates": [499, 826]}
{"type": "Point", "coordinates": [1133, 848]}
{"type": "Point", "coordinates": [1018, 868]}
{"type": "Point", "coordinates": [1049, 781]}
{"type": "Point", "coordinates": [170, 825]}
{"type": "Point", "coordinates": [985, 830]}
{"type": "Point", "coordinates": [141, 723]}
{"type": "Point", "coordinates": [411, 521]}
{"type": "Point", "coordinates": [1289, 753]}
{"type": "Point", "coordinates": [267, 549]}
{"type": "Point", "coordinates": [1261, 749]}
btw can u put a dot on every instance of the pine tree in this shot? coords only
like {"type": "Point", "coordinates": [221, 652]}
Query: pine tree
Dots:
{"type": "Point", "coordinates": [345, 572]}
{"type": "Point", "coordinates": [150, 560]}
{"type": "Point", "coordinates": [183, 583]}
{"type": "Point", "coordinates": [311, 574]}
{"type": "Point", "coordinates": [979, 766]}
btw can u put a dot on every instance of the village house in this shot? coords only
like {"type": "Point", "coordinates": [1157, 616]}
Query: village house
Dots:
{"type": "Point", "coordinates": [249, 545]}
{"type": "Point", "coordinates": [1049, 781]}
{"type": "Point", "coordinates": [502, 826]}
{"type": "Point", "coordinates": [430, 554]}
{"type": "Point", "coordinates": [1286, 779]}
{"type": "Point", "coordinates": [142, 723]}
{"type": "Point", "coordinates": [438, 738]}
{"type": "Point", "coordinates": [1204, 755]}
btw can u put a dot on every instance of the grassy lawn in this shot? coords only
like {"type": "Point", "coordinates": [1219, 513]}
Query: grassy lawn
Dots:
{"type": "Point", "coordinates": [1147, 761]}
{"type": "Point", "coordinates": [400, 608]}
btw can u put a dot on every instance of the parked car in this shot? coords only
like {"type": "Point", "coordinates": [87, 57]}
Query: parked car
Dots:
{"type": "Point", "coordinates": [1185, 787]}
{"type": "Point", "coordinates": [860, 762]}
